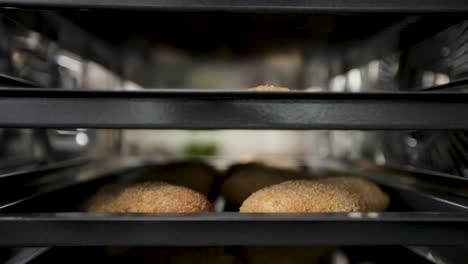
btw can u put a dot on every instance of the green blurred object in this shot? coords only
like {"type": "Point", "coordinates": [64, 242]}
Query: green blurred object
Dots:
{"type": "Point", "coordinates": [196, 149]}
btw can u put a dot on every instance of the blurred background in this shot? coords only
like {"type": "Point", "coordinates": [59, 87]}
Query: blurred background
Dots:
{"type": "Point", "coordinates": [129, 50]}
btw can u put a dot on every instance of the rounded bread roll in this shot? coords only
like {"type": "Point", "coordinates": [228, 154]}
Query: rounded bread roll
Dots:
{"type": "Point", "coordinates": [302, 196]}
{"type": "Point", "coordinates": [371, 197]}
{"type": "Point", "coordinates": [271, 88]}
{"type": "Point", "coordinates": [148, 197]}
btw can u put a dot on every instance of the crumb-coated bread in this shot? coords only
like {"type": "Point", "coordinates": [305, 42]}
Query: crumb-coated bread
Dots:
{"type": "Point", "coordinates": [371, 197]}
{"type": "Point", "coordinates": [302, 196]}
{"type": "Point", "coordinates": [148, 197]}
{"type": "Point", "coordinates": [272, 88]}
{"type": "Point", "coordinates": [104, 199]}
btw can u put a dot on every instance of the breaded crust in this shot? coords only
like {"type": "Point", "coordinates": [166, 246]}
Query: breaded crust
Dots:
{"type": "Point", "coordinates": [103, 200]}
{"type": "Point", "coordinates": [269, 88]}
{"type": "Point", "coordinates": [372, 198]}
{"type": "Point", "coordinates": [148, 197]}
{"type": "Point", "coordinates": [302, 196]}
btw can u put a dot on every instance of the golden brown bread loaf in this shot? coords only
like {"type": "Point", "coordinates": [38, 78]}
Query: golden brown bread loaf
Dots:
{"type": "Point", "coordinates": [336, 194]}
{"type": "Point", "coordinates": [302, 196]}
{"type": "Point", "coordinates": [371, 197]}
{"type": "Point", "coordinates": [103, 200]}
{"type": "Point", "coordinates": [244, 179]}
{"type": "Point", "coordinates": [148, 197]}
{"type": "Point", "coordinates": [271, 88]}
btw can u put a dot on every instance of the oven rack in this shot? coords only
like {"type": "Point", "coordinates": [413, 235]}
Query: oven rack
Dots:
{"type": "Point", "coordinates": [418, 6]}
{"type": "Point", "coordinates": [76, 229]}
{"type": "Point", "coordinates": [183, 109]}
{"type": "Point", "coordinates": [53, 216]}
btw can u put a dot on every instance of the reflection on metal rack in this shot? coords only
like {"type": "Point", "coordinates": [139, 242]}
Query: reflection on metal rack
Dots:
{"type": "Point", "coordinates": [41, 181]}
{"type": "Point", "coordinates": [438, 151]}
{"type": "Point", "coordinates": [460, 85]}
{"type": "Point", "coordinates": [19, 181]}
{"type": "Point", "coordinates": [26, 255]}
{"type": "Point", "coordinates": [9, 81]}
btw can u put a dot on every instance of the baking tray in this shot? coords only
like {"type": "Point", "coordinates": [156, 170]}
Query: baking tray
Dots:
{"type": "Point", "coordinates": [56, 218]}
{"type": "Point", "coordinates": [93, 229]}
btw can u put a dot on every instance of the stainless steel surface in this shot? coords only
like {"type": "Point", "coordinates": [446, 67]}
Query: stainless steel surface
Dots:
{"type": "Point", "coordinates": [26, 255]}
{"type": "Point", "coordinates": [257, 5]}
{"type": "Point", "coordinates": [232, 110]}
{"type": "Point", "coordinates": [234, 229]}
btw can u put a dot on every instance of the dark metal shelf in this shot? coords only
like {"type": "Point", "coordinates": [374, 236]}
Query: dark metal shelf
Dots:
{"type": "Point", "coordinates": [231, 110]}
{"type": "Point", "coordinates": [459, 85]}
{"type": "Point", "coordinates": [38, 167]}
{"type": "Point", "coordinates": [54, 217]}
{"type": "Point", "coordinates": [10, 81]}
{"type": "Point", "coordinates": [73, 229]}
{"type": "Point", "coordinates": [255, 5]}
{"type": "Point", "coordinates": [29, 185]}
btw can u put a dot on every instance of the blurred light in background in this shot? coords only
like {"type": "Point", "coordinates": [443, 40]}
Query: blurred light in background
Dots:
{"type": "Point", "coordinates": [354, 80]}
